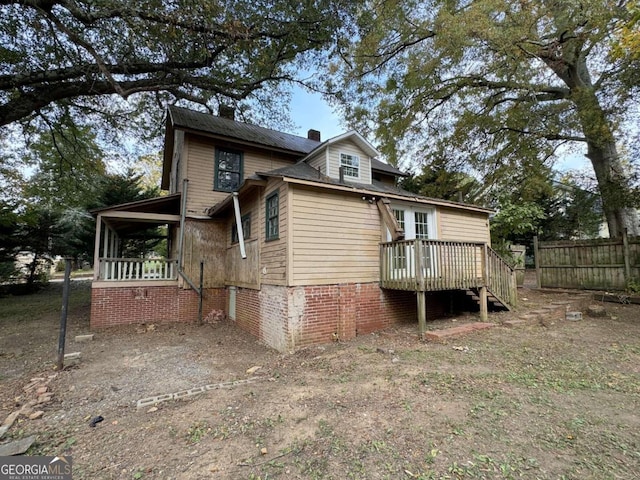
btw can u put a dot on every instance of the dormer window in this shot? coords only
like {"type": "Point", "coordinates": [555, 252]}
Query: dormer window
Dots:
{"type": "Point", "coordinates": [228, 170]}
{"type": "Point", "coordinates": [350, 165]}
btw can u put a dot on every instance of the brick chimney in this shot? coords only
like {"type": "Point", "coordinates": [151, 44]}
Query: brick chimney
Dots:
{"type": "Point", "coordinates": [225, 111]}
{"type": "Point", "coordinates": [313, 135]}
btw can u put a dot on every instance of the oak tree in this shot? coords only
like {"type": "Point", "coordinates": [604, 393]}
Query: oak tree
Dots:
{"type": "Point", "coordinates": [73, 53]}
{"type": "Point", "coordinates": [498, 85]}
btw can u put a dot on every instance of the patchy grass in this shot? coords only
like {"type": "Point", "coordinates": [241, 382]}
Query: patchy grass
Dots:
{"type": "Point", "coordinates": [45, 303]}
{"type": "Point", "coordinates": [556, 402]}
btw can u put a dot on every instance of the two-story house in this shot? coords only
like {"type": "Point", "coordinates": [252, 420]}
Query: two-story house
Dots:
{"type": "Point", "coordinates": [297, 240]}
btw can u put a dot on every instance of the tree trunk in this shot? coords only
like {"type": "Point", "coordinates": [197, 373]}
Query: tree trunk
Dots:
{"type": "Point", "coordinates": [613, 183]}
{"type": "Point", "coordinates": [614, 190]}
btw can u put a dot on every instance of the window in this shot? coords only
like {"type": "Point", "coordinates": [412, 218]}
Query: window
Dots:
{"type": "Point", "coordinates": [228, 170]}
{"type": "Point", "coordinates": [272, 207]}
{"type": "Point", "coordinates": [350, 165]}
{"type": "Point", "coordinates": [246, 228]}
{"type": "Point", "coordinates": [422, 225]}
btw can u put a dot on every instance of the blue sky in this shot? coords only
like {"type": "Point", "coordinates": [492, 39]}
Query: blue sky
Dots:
{"type": "Point", "coordinates": [309, 110]}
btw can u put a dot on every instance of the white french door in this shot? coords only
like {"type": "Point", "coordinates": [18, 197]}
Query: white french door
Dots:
{"type": "Point", "coordinates": [417, 223]}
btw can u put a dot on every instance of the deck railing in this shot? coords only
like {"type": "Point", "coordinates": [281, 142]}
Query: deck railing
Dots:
{"type": "Point", "coordinates": [501, 278]}
{"type": "Point", "coordinates": [131, 269]}
{"type": "Point", "coordinates": [427, 265]}
{"type": "Point", "coordinates": [430, 265]}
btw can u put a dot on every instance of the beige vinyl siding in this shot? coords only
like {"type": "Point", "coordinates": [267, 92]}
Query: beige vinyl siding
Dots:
{"type": "Point", "coordinates": [257, 161]}
{"type": "Point", "coordinates": [335, 238]}
{"type": "Point", "coordinates": [200, 167]}
{"type": "Point", "coordinates": [348, 147]}
{"type": "Point", "coordinates": [273, 254]}
{"type": "Point", "coordinates": [462, 226]}
{"type": "Point", "coordinates": [319, 162]}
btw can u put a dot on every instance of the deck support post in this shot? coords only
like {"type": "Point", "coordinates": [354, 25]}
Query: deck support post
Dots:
{"type": "Point", "coordinates": [484, 310]}
{"type": "Point", "coordinates": [422, 313]}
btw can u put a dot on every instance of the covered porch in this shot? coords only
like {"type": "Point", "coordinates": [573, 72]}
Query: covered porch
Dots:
{"type": "Point", "coordinates": [423, 265]}
{"type": "Point", "coordinates": [121, 226]}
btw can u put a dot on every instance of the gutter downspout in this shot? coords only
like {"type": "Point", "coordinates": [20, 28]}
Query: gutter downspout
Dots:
{"type": "Point", "coordinates": [236, 209]}
{"type": "Point", "coordinates": [183, 214]}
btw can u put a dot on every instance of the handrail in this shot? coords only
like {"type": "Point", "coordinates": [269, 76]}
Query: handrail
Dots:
{"type": "Point", "coordinates": [135, 269]}
{"type": "Point", "coordinates": [501, 279]}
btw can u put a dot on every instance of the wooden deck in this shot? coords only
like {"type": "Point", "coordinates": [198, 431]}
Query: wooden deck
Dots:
{"type": "Point", "coordinates": [436, 265]}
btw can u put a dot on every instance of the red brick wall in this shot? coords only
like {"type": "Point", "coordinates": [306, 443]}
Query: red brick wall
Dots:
{"type": "Point", "coordinates": [316, 320]}
{"type": "Point", "coordinates": [378, 308]}
{"type": "Point", "coordinates": [285, 318]}
{"type": "Point", "coordinates": [148, 304]}
{"type": "Point", "coordinates": [263, 313]}
{"type": "Point", "coordinates": [248, 310]}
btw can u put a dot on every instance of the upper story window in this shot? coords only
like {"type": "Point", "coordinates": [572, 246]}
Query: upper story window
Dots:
{"type": "Point", "coordinates": [228, 170]}
{"type": "Point", "coordinates": [272, 217]}
{"type": "Point", "coordinates": [350, 164]}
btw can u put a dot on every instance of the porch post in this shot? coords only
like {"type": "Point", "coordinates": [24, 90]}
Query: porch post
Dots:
{"type": "Point", "coordinates": [105, 245]}
{"type": "Point", "coordinates": [96, 249]}
{"type": "Point", "coordinates": [484, 310]}
{"type": "Point", "coordinates": [112, 244]}
{"type": "Point", "coordinates": [422, 313]}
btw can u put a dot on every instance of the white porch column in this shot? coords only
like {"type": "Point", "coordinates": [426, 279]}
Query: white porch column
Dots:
{"type": "Point", "coordinates": [96, 249]}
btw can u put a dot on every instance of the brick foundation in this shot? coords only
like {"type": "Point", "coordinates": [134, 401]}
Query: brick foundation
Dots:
{"type": "Point", "coordinates": [285, 318]}
{"type": "Point", "coordinates": [118, 305]}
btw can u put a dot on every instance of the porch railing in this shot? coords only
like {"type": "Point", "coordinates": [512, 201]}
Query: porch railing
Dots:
{"type": "Point", "coordinates": [131, 269]}
{"type": "Point", "coordinates": [430, 265]}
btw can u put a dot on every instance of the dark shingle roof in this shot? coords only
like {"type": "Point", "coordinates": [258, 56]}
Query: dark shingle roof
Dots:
{"type": "Point", "coordinates": [386, 168]}
{"type": "Point", "coordinates": [304, 171]}
{"type": "Point", "coordinates": [203, 122]}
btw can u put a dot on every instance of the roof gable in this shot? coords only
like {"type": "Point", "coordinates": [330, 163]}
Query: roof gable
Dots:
{"type": "Point", "coordinates": [179, 118]}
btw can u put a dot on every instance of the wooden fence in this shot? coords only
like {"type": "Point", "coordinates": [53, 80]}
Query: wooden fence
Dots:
{"type": "Point", "coordinates": [600, 264]}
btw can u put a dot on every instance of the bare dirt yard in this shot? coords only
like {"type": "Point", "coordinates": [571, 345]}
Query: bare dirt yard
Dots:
{"type": "Point", "coordinates": [544, 400]}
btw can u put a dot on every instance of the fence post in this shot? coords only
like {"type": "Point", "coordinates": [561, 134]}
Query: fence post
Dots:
{"type": "Point", "coordinates": [536, 259]}
{"type": "Point", "coordinates": [63, 315]}
{"type": "Point", "coordinates": [200, 292]}
{"type": "Point", "coordinates": [627, 256]}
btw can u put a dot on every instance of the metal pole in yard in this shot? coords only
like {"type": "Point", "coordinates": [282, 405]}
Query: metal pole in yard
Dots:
{"type": "Point", "coordinates": [201, 291]}
{"type": "Point", "coordinates": [63, 315]}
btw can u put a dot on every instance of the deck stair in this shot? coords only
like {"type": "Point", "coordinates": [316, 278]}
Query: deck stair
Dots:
{"type": "Point", "coordinates": [425, 265]}
{"type": "Point", "coordinates": [495, 304]}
